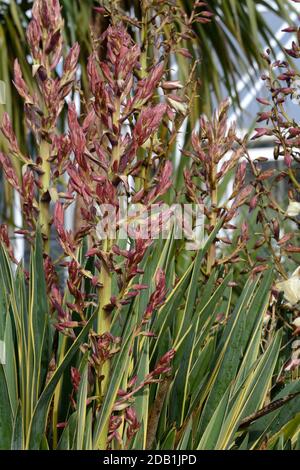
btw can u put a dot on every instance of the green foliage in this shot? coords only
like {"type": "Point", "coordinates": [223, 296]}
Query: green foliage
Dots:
{"type": "Point", "coordinates": [222, 372]}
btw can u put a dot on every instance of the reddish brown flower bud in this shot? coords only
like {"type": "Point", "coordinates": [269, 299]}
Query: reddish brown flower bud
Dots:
{"type": "Point", "coordinates": [242, 196]}
{"type": "Point", "coordinates": [99, 9]}
{"type": "Point", "coordinates": [163, 365]}
{"type": "Point", "coordinates": [185, 52]}
{"type": "Point", "coordinates": [76, 135]}
{"type": "Point", "coordinates": [75, 378]}
{"type": "Point", "coordinates": [9, 170]}
{"type": "Point", "coordinates": [72, 59]}
{"type": "Point", "coordinates": [292, 249]}
{"type": "Point", "coordinates": [260, 132]}
{"type": "Point", "coordinates": [202, 20]}
{"type": "Point", "coordinates": [286, 238]}
{"type": "Point", "coordinates": [147, 86]}
{"type": "Point", "coordinates": [148, 122]}
{"type": "Point", "coordinates": [259, 269]}
{"type": "Point", "coordinates": [34, 35]}
{"type": "Point", "coordinates": [158, 296]}
{"type": "Point", "coordinates": [240, 175]}
{"type": "Point", "coordinates": [172, 85]}
{"type": "Point", "coordinates": [264, 116]}
{"type": "Point", "coordinates": [245, 232]}
{"type": "Point", "coordinates": [253, 202]}
{"type": "Point", "coordinates": [290, 29]}
{"type": "Point", "coordinates": [52, 42]}
{"type": "Point", "coordinates": [265, 175]}
{"type": "Point", "coordinates": [29, 203]}
{"type": "Point", "coordinates": [164, 183]}
{"type": "Point", "coordinates": [263, 101]}
{"type": "Point", "coordinates": [8, 132]}
{"type": "Point", "coordinates": [20, 84]}
{"type": "Point", "coordinates": [132, 421]}
{"type": "Point", "coordinates": [4, 238]}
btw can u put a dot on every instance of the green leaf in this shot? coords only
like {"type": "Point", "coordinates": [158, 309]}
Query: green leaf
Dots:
{"type": "Point", "coordinates": [169, 442]}
{"type": "Point", "coordinates": [81, 402]}
{"type": "Point", "coordinates": [17, 442]}
{"type": "Point", "coordinates": [6, 416]}
{"type": "Point", "coordinates": [40, 333]}
{"type": "Point", "coordinates": [234, 341]}
{"type": "Point", "coordinates": [251, 395]}
{"type": "Point", "coordinates": [212, 431]}
{"type": "Point", "coordinates": [39, 417]}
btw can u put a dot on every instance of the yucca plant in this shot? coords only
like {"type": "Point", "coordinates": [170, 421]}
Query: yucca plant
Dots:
{"type": "Point", "coordinates": [236, 31]}
{"type": "Point", "coordinates": [126, 339]}
{"type": "Point", "coordinates": [219, 379]}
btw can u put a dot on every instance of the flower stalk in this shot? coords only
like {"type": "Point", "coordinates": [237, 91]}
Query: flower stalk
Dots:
{"type": "Point", "coordinates": [211, 256]}
{"type": "Point", "coordinates": [44, 204]}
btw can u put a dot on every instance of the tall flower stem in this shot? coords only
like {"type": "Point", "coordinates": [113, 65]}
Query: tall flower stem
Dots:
{"type": "Point", "coordinates": [141, 182]}
{"type": "Point", "coordinates": [105, 291]}
{"type": "Point", "coordinates": [104, 322]}
{"type": "Point", "coordinates": [213, 216]}
{"type": "Point", "coordinates": [44, 205]}
{"type": "Point", "coordinates": [103, 326]}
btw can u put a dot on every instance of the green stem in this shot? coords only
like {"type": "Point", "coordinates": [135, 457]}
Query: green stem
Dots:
{"type": "Point", "coordinates": [57, 394]}
{"type": "Point", "coordinates": [104, 326]}
{"type": "Point", "coordinates": [213, 217]}
{"type": "Point", "coordinates": [140, 182]}
{"type": "Point", "coordinates": [104, 322]}
{"type": "Point", "coordinates": [293, 178]}
{"type": "Point", "coordinates": [105, 291]}
{"type": "Point", "coordinates": [44, 205]}
{"type": "Point", "coordinates": [144, 38]}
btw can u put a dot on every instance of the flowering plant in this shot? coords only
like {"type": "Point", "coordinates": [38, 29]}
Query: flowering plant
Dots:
{"type": "Point", "coordinates": [107, 336]}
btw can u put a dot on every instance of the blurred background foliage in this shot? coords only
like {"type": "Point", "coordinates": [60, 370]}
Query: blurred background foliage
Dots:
{"type": "Point", "coordinates": [227, 48]}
